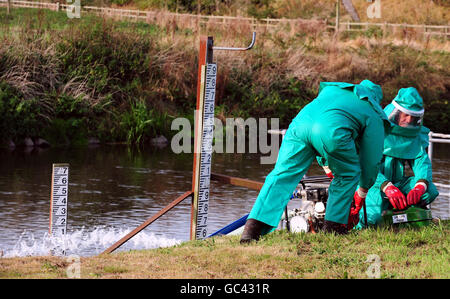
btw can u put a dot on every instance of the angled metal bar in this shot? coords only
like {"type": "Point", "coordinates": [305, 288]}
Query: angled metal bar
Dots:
{"type": "Point", "coordinates": [147, 222]}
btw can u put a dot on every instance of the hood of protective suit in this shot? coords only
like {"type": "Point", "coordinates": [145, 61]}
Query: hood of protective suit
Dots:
{"type": "Point", "coordinates": [375, 92]}
{"type": "Point", "coordinates": [406, 142]}
{"type": "Point", "coordinates": [365, 90]}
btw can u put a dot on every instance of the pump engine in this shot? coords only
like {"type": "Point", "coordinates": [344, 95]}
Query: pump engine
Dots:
{"type": "Point", "coordinates": [310, 213]}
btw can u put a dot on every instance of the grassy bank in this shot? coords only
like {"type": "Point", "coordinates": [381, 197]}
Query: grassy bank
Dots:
{"type": "Point", "coordinates": [70, 79]}
{"type": "Point", "coordinates": [420, 253]}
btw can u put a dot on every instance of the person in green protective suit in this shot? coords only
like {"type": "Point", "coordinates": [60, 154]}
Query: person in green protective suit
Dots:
{"type": "Point", "coordinates": [404, 145]}
{"type": "Point", "coordinates": [346, 126]}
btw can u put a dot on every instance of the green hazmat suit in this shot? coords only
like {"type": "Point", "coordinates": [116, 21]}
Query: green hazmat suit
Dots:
{"type": "Point", "coordinates": [346, 126]}
{"type": "Point", "coordinates": [402, 147]}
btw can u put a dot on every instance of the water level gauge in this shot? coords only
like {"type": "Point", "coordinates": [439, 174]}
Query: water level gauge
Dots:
{"type": "Point", "coordinates": [58, 199]}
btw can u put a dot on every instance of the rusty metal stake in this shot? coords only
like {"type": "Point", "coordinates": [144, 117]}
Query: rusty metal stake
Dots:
{"type": "Point", "coordinates": [147, 222]}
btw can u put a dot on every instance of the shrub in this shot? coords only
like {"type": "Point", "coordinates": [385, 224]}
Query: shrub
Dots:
{"type": "Point", "coordinates": [20, 118]}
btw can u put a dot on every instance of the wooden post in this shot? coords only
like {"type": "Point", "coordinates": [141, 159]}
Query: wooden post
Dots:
{"type": "Point", "coordinates": [255, 185]}
{"type": "Point", "coordinates": [338, 17]}
{"type": "Point", "coordinates": [205, 56]}
{"type": "Point", "coordinates": [198, 16]}
{"type": "Point", "coordinates": [250, 184]}
{"type": "Point", "coordinates": [430, 146]}
{"type": "Point", "coordinates": [8, 5]}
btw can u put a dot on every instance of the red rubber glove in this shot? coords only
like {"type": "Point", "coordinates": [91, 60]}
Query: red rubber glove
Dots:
{"type": "Point", "coordinates": [396, 197]}
{"type": "Point", "coordinates": [357, 204]}
{"type": "Point", "coordinates": [414, 195]}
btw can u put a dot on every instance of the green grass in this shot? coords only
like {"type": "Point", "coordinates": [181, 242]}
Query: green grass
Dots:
{"type": "Point", "coordinates": [372, 253]}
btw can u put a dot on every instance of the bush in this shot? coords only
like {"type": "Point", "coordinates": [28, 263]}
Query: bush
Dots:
{"type": "Point", "coordinates": [20, 118]}
{"type": "Point", "coordinates": [139, 124]}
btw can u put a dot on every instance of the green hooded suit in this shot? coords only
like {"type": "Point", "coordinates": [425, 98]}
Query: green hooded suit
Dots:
{"type": "Point", "coordinates": [346, 126]}
{"type": "Point", "coordinates": [402, 147]}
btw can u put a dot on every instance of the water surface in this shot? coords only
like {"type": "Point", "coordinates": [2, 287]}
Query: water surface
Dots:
{"type": "Point", "coordinates": [113, 189]}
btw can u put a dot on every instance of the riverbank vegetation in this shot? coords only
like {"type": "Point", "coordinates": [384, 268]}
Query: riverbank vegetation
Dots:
{"type": "Point", "coordinates": [120, 81]}
{"type": "Point", "coordinates": [371, 253]}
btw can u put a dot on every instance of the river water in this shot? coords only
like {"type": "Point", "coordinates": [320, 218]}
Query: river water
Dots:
{"type": "Point", "coordinates": [113, 189]}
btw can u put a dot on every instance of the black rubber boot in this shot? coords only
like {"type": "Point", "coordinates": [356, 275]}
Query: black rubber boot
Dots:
{"type": "Point", "coordinates": [252, 230]}
{"type": "Point", "coordinates": [334, 227]}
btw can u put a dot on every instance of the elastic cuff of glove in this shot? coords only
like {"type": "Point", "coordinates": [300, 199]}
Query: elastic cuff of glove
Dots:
{"type": "Point", "coordinates": [423, 184]}
{"type": "Point", "coordinates": [326, 169]}
{"type": "Point", "coordinates": [387, 186]}
{"type": "Point", "coordinates": [361, 193]}
{"type": "Point", "coordinates": [383, 185]}
{"type": "Point", "coordinates": [422, 181]}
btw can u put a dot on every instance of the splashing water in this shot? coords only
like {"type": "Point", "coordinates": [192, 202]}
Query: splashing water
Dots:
{"type": "Point", "coordinates": [83, 242]}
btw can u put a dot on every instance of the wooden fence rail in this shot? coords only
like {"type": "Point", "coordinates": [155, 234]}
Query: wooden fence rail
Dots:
{"type": "Point", "coordinates": [268, 23]}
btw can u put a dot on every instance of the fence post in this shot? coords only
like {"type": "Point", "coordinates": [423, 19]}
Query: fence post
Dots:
{"type": "Point", "coordinates": [8, 4]}
{"type": "Point", "coordinates": [338, 17]}
{"type": "Point", "coordinates": [430, 146]}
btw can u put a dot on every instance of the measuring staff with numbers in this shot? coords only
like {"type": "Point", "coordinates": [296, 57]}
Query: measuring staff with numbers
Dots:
{"type": "Point", "coordinates": [344, 124]}
{"type": "Point", "coordinates": [204, 148]}
{"type": "Point", "coordinates": [58, 201]}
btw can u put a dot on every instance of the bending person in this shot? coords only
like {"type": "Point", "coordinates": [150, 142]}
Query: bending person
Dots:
{"type": "Point", "coordinates": [405, 144]}
{"type": "Point", "coordinates": [344, 125]}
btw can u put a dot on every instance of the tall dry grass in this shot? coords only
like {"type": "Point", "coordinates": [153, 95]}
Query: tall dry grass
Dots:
{"type": "Point", "coordinates": [392, 11]}
{"type": "Point", "coordinates": [117, 65]}
{"type": "Point", "coordinates": [309, 53]}
{"type": "Point", "coordinates": [429, 12]}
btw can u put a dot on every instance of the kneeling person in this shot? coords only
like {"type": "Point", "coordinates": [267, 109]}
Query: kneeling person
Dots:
{"type": "Point", "coordinates": [405, 144]}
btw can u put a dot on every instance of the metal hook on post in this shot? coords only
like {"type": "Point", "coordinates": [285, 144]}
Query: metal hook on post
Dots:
{"type": "Point", "coordinates": [239, 49]}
